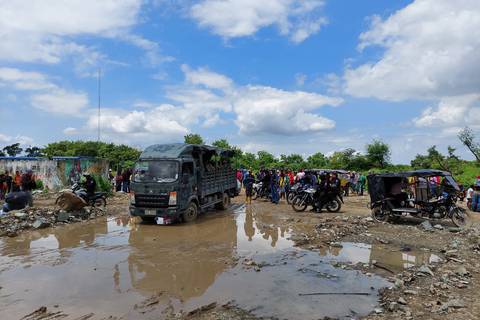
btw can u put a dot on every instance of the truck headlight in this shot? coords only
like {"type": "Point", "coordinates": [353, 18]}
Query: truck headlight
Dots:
{"type": "Point", "coordinates": [172, 200]}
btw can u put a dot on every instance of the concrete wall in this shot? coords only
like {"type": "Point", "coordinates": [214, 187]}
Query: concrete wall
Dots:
{"type": "Point", "coordinates": [55, 174]}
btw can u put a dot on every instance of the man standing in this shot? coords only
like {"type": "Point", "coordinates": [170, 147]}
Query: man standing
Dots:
{"type": "Point", "coordinates": [362, 181]}
{"type": "Point", "coordinates": [248, 184]}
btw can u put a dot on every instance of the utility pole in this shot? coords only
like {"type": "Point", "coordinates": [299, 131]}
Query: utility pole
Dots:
{"type": "Point", "coordinates": [99, 101]}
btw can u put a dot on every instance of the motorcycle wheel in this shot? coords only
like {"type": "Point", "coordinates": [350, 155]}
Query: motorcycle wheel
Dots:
{"type": "Point", "coordinates": [100, 203]}
{"type": "Point", "coordinates": [379, 215]}
{"type": "Point", "coordinates": [298, 204]}
{"type": "Point", "coordinates": [254, 194]}
{"type": "Point", "coordinates": [459, 218]}
{"type": "Point", "coordinates": [334, 206]}
{"type": "Point", "coordinates": [290, 197]}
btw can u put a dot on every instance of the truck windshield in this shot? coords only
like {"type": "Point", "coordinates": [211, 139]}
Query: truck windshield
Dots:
{"type": "Point", "coordinates": [156, 171]}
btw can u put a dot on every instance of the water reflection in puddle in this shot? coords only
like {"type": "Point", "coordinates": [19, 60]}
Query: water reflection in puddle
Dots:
{"type": "Point", "coordinates": [112, 266]}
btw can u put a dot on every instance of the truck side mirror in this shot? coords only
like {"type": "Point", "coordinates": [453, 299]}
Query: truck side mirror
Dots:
{"type": "Point", "coordinates": [185, 178]}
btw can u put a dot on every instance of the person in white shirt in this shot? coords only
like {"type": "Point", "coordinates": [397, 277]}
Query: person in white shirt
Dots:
{"type": "Point", "coordinates": [469, 196]}
{"type": "Point", "coordinates": [300, 175]}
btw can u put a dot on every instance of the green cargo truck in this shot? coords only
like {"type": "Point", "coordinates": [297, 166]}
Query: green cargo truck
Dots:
{"type": "Point", "coordinates": [176, 182]}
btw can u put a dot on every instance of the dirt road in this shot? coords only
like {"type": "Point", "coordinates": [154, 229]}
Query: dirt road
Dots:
{"type": "Point", "coordinates": [260, 260]}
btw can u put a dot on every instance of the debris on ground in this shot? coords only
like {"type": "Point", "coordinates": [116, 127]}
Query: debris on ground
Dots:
{"type": "Point", "coordinates": [12, 223]}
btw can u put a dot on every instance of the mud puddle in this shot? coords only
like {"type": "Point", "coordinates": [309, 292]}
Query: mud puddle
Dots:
{"type": "Point", "coordinates": [123, 268]}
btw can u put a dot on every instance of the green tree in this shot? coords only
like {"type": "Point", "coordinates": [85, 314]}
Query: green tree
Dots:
{"type": "Point", "coordinates": [193, 138]}
{"type": "Point", "coordinates": [293, 161]}
{"type": "Point", "coordinates": [13, 150]}
{"type": "Point", "coordinates": [119, 156]}
{"type": "Point", "coordinates": [317, 161]}
{"type": "Point", "coordinates": [467, 137]}
{"type": "Point", "coordinates": [2, 154]}
{"type": "Point", "coordinates": [222, 143]}
{"type": "Point", "coordinates": [249, 161]}
{"type": "Point", "coordinates": [33, 152]}
{"type": "Point", "coordinates": [378, 154]}
{"type": "Point", "coordinates": [342, 159]}
{"type": "Point", "coordinates": [266, 159]}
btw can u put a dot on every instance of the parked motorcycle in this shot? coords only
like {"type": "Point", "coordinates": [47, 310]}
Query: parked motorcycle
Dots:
{"type": "Point", "coordinates": [331, 201]}
{"type": "Point", "coordinates": [98, 199]}
{"type": "Point", "coordinates": [442, 208]}
{"type": "Point", "coordinates": [260, 192]}
{"type": "Point", "coordinates": [388, 205]}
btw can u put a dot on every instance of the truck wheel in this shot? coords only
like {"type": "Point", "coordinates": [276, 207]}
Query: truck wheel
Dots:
{"type": "Point", "coordinates": [225, 202]}
{"type": "Point", "coordinates": [191, 213]}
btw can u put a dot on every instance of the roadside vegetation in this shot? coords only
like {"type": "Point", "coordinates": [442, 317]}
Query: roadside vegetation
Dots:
{"type": "Point", "coordinates": [374, 158]}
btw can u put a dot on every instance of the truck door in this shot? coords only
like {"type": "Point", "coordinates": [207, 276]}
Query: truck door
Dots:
{"type": "Point", "coordinates": [187, 185]}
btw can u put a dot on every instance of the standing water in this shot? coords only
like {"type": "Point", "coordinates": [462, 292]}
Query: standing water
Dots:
{"type": "Point", "coordinates": [123, 268]}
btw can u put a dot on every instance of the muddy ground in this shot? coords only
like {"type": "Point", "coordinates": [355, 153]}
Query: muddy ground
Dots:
{"type": "Point", "coordinates": [254, 261]}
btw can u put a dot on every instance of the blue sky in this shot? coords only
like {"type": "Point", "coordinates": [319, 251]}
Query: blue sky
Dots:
{"type": "Point", "coordinates": [278, 75]}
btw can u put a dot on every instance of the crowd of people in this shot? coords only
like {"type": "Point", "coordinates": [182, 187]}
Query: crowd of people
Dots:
{"type": "Point", "coordinates": [473, 196]}
{"type": "Point", "coordinates": [121, 180]}
{"type": "Point", "coordinates": [277, 183]}
{"type": "Point", "coordinates": [20, 181]}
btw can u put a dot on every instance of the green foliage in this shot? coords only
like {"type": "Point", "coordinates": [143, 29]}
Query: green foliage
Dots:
{"type": "Point", "coordinates": [13, 150]}
{"type": "Point", "coordinates": [119, 156]}
{"type": "Point", "coordinates": [378, 154]}
{"type": "Point", "coordinates": [39, 184]}
{"type": "Point", "coordinates": [266, 159]}
{"type": "Point", "coordinates": [467, 137]}
{"type": "Point", "coordinates": [33, 152]}
{"type": "Point", "coordinates": [317, 161]}
{"type": "Point", "coordinates": [2, 154]}
{"type": "Point", "coordinates": [193, 138]}
{"type": "Point", "coordinates": [103, 184]}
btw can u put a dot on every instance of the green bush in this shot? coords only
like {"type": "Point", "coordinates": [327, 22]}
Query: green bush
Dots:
{"type": "Point", "coordinates": [39, 184]}
{"type": "Point", "coordinates": [103, 184]}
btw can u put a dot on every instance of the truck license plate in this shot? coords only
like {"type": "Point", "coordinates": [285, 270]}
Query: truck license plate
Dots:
{"type": "Point", "coordinates": [150, 212]}
{"type": "Point", "coordinates": [160, 220]}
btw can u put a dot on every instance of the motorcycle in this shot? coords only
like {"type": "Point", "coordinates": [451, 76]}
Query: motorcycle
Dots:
{"type": "Point", "coordinates": [441, 208]}
{"type": "Point", "coordinates": [260, 192]}
{"type": "Point", "coordinates": [331, 201]}
{"type": "Point", "coordinates": [98, 199]}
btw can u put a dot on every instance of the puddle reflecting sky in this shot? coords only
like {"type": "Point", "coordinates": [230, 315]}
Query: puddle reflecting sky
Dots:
{"type": "Point", "coordinates": [111, 265]}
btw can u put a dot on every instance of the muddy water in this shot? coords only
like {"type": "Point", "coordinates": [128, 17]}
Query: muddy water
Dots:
{"type": "Point", "coordinates": [121, 267]}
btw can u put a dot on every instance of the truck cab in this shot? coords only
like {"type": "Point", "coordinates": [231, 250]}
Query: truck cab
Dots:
{"type": "Point", "coordinates": [176, 182]}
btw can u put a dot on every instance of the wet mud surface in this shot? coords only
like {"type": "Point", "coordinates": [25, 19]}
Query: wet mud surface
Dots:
{"type": "Point", "coordinates": [255, 261]}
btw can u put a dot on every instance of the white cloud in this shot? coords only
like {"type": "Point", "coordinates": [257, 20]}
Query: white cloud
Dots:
{"type": "Point", "coordinates": [275, 111]}
{"type": "Point", "coordinates": [23, 80]}
{"type": "Point", "coordinates": [451, 111]}
{"type": "Point", "coordinates": [297, 19]}
{"type": "Point", "coordinates": [48, 32]}
{"type": "Point", "coordinates": [70, 131]}
{"type": "Point", "coordinates": [206, 97]}
{"type": "Point", "coordinates": [23, 140]}
{"type": "Point", "coordinates": [300, 79]}
{"type": "Point", "coordinates": [61, 102]}
{"type": "Point", "coordinates": [207, 78]}
{"type": "Point", "coordinates": [160, 121]}
{"type": "Point", "coordinates": [431, 51]}
{"type": "Point", "coordinates": [44, 94]}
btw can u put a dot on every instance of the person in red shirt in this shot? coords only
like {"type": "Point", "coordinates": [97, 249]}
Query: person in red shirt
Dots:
{"type": "Point", "coordinates": [292, 178]}
{"type": "Point", "coordinates": [239, 176]}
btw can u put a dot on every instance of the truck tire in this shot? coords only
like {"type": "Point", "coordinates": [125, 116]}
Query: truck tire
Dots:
{"type": "Point", "coordinates": [190, 213]}
{"type": "Point", "coordinates": [225, 202]}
